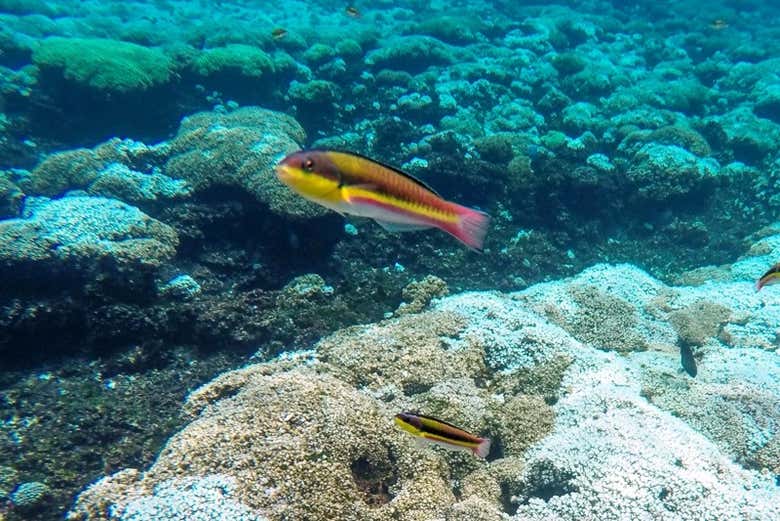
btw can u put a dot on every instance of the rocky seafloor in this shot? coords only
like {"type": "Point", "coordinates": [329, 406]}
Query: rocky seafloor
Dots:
{"type": "Point", "coordinates": [578, 383]}
{"type": "Point", "coordinates": [146, 247]}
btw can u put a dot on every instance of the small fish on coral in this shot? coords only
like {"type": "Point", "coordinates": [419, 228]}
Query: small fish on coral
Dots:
{"type": "Point", "coordinates": [442, 433]}
{"type": "Point", "coordinates": [352, 184]}
{"type": "Point", "coordinates": [278, 33]}
{"type": "Point", "coordinates": [772, 276]}
{"type": "Point", "coordinates": [352, 11]}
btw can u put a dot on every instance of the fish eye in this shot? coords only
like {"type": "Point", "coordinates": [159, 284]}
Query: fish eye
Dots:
{"type": "Point", "coordinates": [308, 164]}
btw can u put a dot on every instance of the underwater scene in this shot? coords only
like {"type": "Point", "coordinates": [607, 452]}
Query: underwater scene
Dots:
{"type": "Point", "coordinates": [399, 260]}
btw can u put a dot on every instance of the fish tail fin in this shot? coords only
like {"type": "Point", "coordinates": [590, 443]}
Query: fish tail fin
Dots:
{"type": "Point", "coordinates": [483, 448]}
{"type": "Point", "coordinates": [471, 228]}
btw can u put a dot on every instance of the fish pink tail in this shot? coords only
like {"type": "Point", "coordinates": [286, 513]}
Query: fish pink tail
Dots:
{"type": "Point", "coordinates": [471, 228]}
{"type": "Point", "coordinates": [483, 448]}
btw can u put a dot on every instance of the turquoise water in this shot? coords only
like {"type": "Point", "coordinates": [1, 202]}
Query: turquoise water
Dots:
{"type": "Point", "coordinates": [183, 336]}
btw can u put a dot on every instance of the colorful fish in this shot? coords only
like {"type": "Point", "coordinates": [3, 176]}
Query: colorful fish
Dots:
{"type": "Point", "coordinates": [352, 184]}
{"type": "Point", "coordinates": [772, 276]}
{"type": "Point", "coordinates": [442, 433]}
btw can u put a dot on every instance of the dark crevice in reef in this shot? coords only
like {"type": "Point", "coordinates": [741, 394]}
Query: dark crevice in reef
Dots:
{"type": "Point", "coordinates": [543, 480]}
{"type": "Point", "coordinates": [551, 490]}
{"type": "Point", "coordinates": [496, 447]}
{"type": "Point", "coordinates": [374, 477]}
{"type": "Point", "coordinates": [508, 501]}
{"type": "Point", "coordinates": [235, 237]}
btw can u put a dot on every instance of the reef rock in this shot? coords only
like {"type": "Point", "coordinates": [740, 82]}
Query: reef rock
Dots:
{"type": "Point", "coordinates": [662, 172]}
{"type": "Point", "coordinates": [121, 169]}
{"type": "Point", "coordinates": [79, 233]}
{"type": "Point", "coordinates": [586, 422]}
{"type": "Point", "coordinates": [239, 150]}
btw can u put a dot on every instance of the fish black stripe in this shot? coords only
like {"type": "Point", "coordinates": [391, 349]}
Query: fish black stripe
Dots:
{"type": "Point", "coordinates": [384, 165]}
{"type": "Point", "coordinates": [456, 434]}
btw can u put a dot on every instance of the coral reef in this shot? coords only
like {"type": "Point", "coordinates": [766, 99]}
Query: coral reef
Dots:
{"type": "Point", "coordinates": [310, 435]}
{"type": "Point", "coordinates": [9, 478]}
{"type": "Point", "coordinates": [592, 132]}
{"type": "Point", "coordinates": [119, 410]}
{"type": "Point", "coordinates": [181, 286]}
{"type": "Point", "coordinates": [236, 60]}
{"type": "Point", "coordinates": [102, 64]}
{"type": "Point", "coordinates": [11, 198]}
{"type": "Point", "coordinates": [29, 495]}
{"type": "Point", "coordinates": [299, 483]}
{"type": "Point", "coordinates": [81, 232]}
{"type": "Point", "coordinates": [110, 169]}
{"type": "Point", "coordinates": [603, 320]}
{"type": "Point", "coordinates": [597, 128]}
{"type": "Point", "coordinates": [418, 295]}
{"type": "Point", "coordinates": [698, 322]}
{"type": "Point", "coordinates": [410, 53]}
{"type": "Point", "coordinates": [664, 171]}
{"type": "Point", "coordinates": [239, 149]}
{"type": "Point", "coordinates": [197, 499]}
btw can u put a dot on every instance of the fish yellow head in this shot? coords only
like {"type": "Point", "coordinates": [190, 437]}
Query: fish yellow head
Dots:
{"type": "Point", "coordinates": [311, 174]}
{"type": "Point", "coordinates": [408, 422]}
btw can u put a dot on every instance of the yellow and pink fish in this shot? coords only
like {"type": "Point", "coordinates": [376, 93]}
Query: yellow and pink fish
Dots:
{"type": "Point", "coordinates": [352, 184]}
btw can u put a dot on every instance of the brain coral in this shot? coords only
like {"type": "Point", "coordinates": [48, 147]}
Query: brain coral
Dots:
{"type": "Point", "coordinates": [103, 65]}
{"type": "Point", "coordinates": [240, 149]}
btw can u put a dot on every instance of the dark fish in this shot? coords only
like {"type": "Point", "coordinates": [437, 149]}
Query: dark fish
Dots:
{"type": "Point", "coordinates": [719, 24]}
{"type": "Point", "coordinates": [772, 276]}
{"type": "Point", "coordinates": [278, 33]}
{"type": "Point", "coordinates": [353, 11]}
{"type": "Point", "coordinates": [687, 359]}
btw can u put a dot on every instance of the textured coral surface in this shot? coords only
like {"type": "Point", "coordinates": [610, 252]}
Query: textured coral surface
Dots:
{"type": "Point", "coordinates": [612, 433]}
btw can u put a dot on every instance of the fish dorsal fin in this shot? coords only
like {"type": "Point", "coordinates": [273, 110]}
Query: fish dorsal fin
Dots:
{"type": "Point", "coordinates": [383, 165]}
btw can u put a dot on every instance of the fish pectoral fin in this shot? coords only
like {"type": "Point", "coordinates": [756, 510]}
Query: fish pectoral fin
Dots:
{"type": "Point", "coordinates": [401, 227]}
{"type": "Point", "coordinates": [421, 442]}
